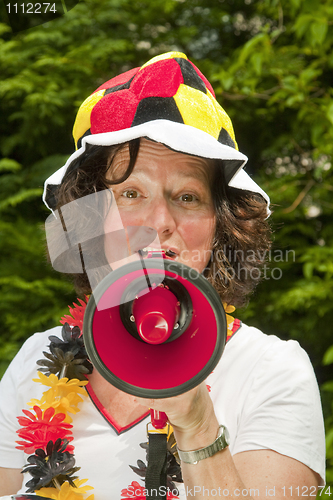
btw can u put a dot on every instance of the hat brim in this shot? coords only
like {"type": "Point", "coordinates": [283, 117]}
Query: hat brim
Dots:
{"type": "Point", "coordinates": [177, 136]}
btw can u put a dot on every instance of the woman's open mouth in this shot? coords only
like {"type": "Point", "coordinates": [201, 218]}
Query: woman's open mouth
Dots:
{"type": "Point", "coordinates": [154, 252]}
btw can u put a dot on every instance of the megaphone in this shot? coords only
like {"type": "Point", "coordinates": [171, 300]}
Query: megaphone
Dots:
{"type": "Point", "coordinates": [154, 328]}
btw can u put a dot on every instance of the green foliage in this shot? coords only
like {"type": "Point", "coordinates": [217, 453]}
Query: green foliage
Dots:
{"type": "Point", "coordinates": [271, 65]}
{"type": "Point", "coordinates": [328, 388]}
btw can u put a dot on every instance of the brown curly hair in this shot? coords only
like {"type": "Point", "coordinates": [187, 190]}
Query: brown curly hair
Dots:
{"type": "Point", "coordinates": [242, 236]}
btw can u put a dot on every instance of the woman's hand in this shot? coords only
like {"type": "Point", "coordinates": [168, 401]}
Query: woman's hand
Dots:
{"type": "Point", "coordinates": [191, 415]}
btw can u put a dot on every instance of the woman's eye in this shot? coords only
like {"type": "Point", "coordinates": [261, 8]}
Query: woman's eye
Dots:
{"type": "Point", "coordinates": [188, 198]}
{"type": "Point", "coordinates": [130, 193]}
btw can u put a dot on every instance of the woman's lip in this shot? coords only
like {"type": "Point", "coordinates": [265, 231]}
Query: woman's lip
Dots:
{"type": "Point", "coordinates": [173, 257]}
{"type": "Point", "coordinates": [171, 254]}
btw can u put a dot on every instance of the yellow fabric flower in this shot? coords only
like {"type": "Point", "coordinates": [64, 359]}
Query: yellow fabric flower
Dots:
{"type": "Point", "coordinates": [230, 319]}
{"type": "Point", "coordinates": [67, 492]}
{"type": "Point", "coordinates": [64, 383]}
{"type": "Point", "coordinates": [63, 395]}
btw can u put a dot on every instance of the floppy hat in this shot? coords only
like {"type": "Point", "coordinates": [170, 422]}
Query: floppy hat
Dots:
{"type": "Point", "coordinates": [167, 100]}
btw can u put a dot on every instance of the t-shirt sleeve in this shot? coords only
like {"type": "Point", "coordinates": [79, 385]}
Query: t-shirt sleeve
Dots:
{"type": "Point", "coordinates": [282, 411]}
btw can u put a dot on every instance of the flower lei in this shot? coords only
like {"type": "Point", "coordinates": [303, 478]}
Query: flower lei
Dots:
{"type": "Point", "coordinates": [45, 431]}
{"type": "Point", "coordinates": [46, 434]}
{"type": "Point", "coordinates": [228, 309]}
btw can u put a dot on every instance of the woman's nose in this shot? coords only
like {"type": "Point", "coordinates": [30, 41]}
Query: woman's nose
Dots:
{"type": "Point", "coordinates": [161, 217]}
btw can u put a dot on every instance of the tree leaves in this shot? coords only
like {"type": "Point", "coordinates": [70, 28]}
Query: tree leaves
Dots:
{"type": "Point", "coordinates": [271, 65]}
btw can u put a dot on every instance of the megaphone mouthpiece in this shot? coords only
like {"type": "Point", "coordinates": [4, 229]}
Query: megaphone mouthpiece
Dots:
{"type": "Point", "coordinates": [155, 314]}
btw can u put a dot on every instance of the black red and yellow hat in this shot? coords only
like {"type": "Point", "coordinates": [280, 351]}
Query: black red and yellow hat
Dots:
{"type": "Point", "coordinates": [167, 100]}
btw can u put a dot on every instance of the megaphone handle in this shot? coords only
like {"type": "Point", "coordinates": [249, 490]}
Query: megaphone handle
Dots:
{"type": "Point", "coordinates": [158, 418]}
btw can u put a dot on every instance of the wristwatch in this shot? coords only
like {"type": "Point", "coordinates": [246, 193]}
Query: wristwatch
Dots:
{"type": "Point", "coordinates": [221, 442]}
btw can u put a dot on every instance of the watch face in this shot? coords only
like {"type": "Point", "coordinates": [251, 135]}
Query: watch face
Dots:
{"type": "Point", "coordinates": [226, 436]}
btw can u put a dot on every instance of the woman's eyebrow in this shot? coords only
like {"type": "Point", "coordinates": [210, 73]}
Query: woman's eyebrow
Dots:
{"type": "Point", "coordinates": [201, 174]}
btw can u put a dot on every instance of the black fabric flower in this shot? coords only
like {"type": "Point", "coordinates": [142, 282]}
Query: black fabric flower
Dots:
{"type": "Point", "coordinates": [67, 356]}
{"type": "Point", "coordinates": [55, 464]}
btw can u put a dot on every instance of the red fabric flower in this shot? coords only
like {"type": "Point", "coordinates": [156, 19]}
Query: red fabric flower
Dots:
{"type": "Point", "coordinates": [134, 491]}
{"type": "Point", "coordinates": [77, 313]}
{"type": "Point", "coordinates": [137, 492]}
{"type": "Point", "coordinates": [37, 430]}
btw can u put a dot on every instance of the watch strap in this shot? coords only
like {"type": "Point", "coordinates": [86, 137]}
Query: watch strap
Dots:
{"type": "Point", "coordinates": [220, 443]}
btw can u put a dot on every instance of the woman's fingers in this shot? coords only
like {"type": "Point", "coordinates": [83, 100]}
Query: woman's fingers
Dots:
{"type": "Point", "coordinates": [188, 411]}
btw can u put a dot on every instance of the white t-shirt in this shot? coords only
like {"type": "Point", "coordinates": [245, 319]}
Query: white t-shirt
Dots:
{"type": "Point", "coordinates": [264, 391]}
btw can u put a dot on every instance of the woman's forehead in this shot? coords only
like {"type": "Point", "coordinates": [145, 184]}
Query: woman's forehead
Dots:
{"type": "Point", "coordinates": [154, 155]}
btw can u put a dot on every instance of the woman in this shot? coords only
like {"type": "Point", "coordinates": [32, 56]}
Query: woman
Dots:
{"type": "Point", "coordinates": [159, 140]}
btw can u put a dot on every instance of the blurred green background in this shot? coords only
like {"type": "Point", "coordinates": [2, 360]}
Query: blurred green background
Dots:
{"type": "Point", "coordinates": [271, 65]}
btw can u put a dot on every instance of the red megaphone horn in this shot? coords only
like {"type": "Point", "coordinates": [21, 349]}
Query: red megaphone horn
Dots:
{"type": "Point", "coordinates": [154, 328]}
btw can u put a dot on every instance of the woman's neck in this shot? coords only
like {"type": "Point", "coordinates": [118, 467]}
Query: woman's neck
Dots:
{"type": "Point", "coordinates": [121, 406]}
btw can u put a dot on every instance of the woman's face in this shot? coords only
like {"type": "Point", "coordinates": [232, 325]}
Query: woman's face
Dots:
{"type": "Point", "coordinates": [170, 192]}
